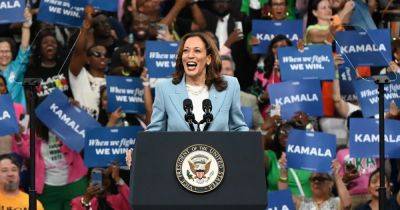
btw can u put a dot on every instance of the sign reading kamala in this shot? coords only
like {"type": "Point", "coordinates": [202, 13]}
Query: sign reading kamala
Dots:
{"type": "Point", "coordinates": [280, 200]}
{"type": "Point", "coordinates": [367, 94]}
{"type": "Point", "coordinates": [160, 58]}
{"type": "Point", "coordinates": [67, 121]}
{"type": "Point", "coordinates": [12, 11]}
{"type": "Point", "coordinates": [104, 146]}
{"type": "Point", "coordinates": [365, 48]}
{"type": "Point", "coordinates": [8, 121]}
{"type": "Point", "coordinates": [266, 30]}
{"type": "Point", "coordinates": [313, 151]}
{"type": "Point", "coordinates": [63, 12]}
{"type": "Point", "coordinates": [125, 92]}
{"type": "Point", "coordinates": [294, 96]}
{"type": "Point", "coordinates": [314, 62]}
{"type": "Point", "coordinates": [364, 138]}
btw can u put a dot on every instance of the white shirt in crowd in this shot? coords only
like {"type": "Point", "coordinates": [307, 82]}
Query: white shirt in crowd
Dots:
{"type": "Point", "coordinates": [86, 90]}
{"type": "Point", "coordinates": [221, 32]}
{"type": "Point", "coordinates": [55, 163]}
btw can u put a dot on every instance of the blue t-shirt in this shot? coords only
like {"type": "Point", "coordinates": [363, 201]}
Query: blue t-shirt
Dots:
{"type": "Point", "coordinates": [14, 74]}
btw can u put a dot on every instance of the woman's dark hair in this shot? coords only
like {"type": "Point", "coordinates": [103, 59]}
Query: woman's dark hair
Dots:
{"type": "Point", "coordinates": [36, 57]}
{"type": "Point", "coordinates": [5, 82]}
{"type": "Point", "coordinates": [103, 116]}
{"type": "Point", "coordinates": [276, 146]}
{"type": "Point", "coordinates": [213, 70]}
{"type": "Point", "coordinates": [12, 44]}
{"type": "Point", "coordinates": [127, 18]}
{"type": "Point", "coordinates": [377, 171]}
{"type": "Point", "coordinates": [270, 3]}
{"type": "Point", "coordinates": [312, 5]}
{"type": "Point", "coordinates": [269, 57]}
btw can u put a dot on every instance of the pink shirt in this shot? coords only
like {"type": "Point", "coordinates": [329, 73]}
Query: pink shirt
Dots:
{"type": "Point", "coordinates": [76, 169]}
{"type": "Point", "coordinates": [119, 201]}
{"type": "Point", "coordinates": [364, 166]}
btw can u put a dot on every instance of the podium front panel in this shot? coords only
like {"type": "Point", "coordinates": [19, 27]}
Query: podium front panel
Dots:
{"type": "Point", "coordinates": [154, 184]}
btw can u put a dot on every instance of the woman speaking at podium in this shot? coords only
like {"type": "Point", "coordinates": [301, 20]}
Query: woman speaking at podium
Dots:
{"type": "Point", "coordinates": [197, 78]}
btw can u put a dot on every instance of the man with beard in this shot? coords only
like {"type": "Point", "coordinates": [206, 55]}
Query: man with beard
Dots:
{"type": "Point", "coordinates": [10, 195]}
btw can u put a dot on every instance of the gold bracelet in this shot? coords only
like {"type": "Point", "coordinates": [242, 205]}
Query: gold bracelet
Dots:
{"type": "Point", "coordinates": [283, 179]}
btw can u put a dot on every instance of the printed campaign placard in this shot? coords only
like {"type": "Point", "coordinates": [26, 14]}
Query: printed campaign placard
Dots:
{"type": "Point", "coordinates": [248, 115]}
{"type": "Point", "coordinates": [104, 146]}
{"type": "Point", "coordinates": [8, 121]}
{"type": "Point", "coordinates": [314, 62]}
{"type": "Point", "coordinates": [313, 151]}
{"type": "Point", "coordinates": [365, 48]}
{"type": "Point", "coordinates": [105, 5]}
{"type": "Point", "coordinates": [160, 58]}
{"type": "Point", "coordinates": [125, 92]}
{"type": "Point", "coordinates": [364, 138]}
{"type": "Point", "coordinates": [280, 200]}
{"type": "Point", "coordinates": [62, 12]}
{"type": "Point", "coordinates": [266, 30]}
{"type": "Point", "coordinates": [367, 94]}
{"type": "Point", "coordinates": [346, 75]}
{"type": "Point", "coordinates": [294, 96]}
{"type": "Point", "coordinates": [12, 11]}
{"type": "Point", "coordinates": [67, 121]}
{"type": "Point", "coordinates": [361, 16]}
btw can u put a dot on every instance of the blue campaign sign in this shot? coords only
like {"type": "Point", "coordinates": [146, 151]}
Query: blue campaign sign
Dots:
{"type": "Point", "coordinates": [248, 115]}
{"type": "Point", "coordinates": [367, 94]}
{"type": "Point", "coordinates": [62, 12]}
{"type": "Point", "coordinates": [105, 5]}
{"type": "Point", "coordinates": [297, 96]}
{"type": "Point", "coordinates": [104, 146]}
{"type": "Point", "coordinates": [12, 11]}
{"type": "Point", "coordinates": [346, 75]}
{"type": "Point", "coordinates": [266, 30]}
{"type": "Point", "coordinates": [365, 48]}
{"type": "Point", "coordinates": [361, 17]}
{"type": "Point", "coordinates": [280, 200]}
{"type": "Point", "coordinates": [313, 151]}
{"type": "Point", "coordinates": [125, 92]}
{"type": "Point", "coordinates": [160, 58]}
{"type": "Point", "coordinates": [364, 138]}
{"type": "Point", "coordinates": [8, 121]}
{"type": "Point", "coordinates": [314, 62]}
{"type": "Point", "coordinates": [68, 122]}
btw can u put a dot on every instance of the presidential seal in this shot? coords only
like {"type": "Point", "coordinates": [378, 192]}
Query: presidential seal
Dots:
{"type": "Point", "coordinates": [200, 168]}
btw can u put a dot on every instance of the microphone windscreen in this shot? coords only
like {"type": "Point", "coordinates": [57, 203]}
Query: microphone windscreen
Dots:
{"type": "Point", "coordinates": [207, 104]}
{"type": "Point", "coordinates": [187, 104]}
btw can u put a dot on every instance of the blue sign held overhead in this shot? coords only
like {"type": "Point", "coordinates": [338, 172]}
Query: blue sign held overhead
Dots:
{"type": "Point", "coordinates": [314, 62]}
{"type": "Point", "coordinates": [313, 151]}
{"type": "Point", "coordinates": [12, 11]}
{"type": "Point", "coordinates": [105, 5]}
{"type": "Point", "coordinates": [67, 121]}
{"type": "Point", "coordinates": [297, 96]}
{"type": "Point", "coordinates": [125, 92]}
{"type": "Point", "coordinates": [280, 200]}
{"type": "Point", "coordinates": [62, 12]}
{"type": "Point", "coordinates": [104, 146]}
{"type": "Point", "coordinates": [8, 120]}
{"type": "Point", "coordinates": [160, 58]}
{"type": "Point", "coordinates": [346, 75]}
{"type": "Point", "coordinates": [266, 30]}
{"type": "Point", "coordinates": [365, 48]}
{"type": "Point", "coordinates": [367, 94]}
{"type": "Point", "coordinates": [364, 138]}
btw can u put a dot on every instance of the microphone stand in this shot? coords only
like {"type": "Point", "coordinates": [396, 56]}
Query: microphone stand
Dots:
{"type": "Point", "coordinates": [30, 84]}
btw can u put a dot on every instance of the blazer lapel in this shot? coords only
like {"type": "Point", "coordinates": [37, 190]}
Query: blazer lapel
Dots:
{"type": "Point", "coordinates": [178, 97]}
{"type": "Point", "coordinates": [217, 100]}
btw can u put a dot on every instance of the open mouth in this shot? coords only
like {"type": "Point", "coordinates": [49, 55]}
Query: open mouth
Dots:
{"type": "Point", "coordinates": [191, 65]}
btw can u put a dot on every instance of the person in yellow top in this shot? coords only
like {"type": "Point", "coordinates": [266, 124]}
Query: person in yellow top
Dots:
{"type": "Point", "coordinates": [10, 195]}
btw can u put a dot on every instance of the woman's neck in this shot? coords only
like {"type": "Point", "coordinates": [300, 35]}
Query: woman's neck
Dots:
{"type": "Point", "coordinates": [196, 81]}
{"type": "Point", "coordinates": [320, 199]}
{"type": "Point", "coordinates": [96, 73]}
{"type": "Point", "coordinates": [374, 204]}
{"type": "Point", "coordinates": [323, 22]}
{"type": "Point", "coordinates": [3, 68]}
{"type": "Point", "coordinates": [48, 63]}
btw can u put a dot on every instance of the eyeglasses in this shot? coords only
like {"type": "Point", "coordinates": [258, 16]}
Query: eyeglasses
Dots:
{"type": "Point", "coordinates": [98, 54]}
{"type": "Point", "coordinates": [319, 179]}
{"type": "Point", "coordinates": [5, 51]}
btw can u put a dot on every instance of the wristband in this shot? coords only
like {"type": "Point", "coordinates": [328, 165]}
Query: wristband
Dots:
{"type": "Point", "coordinates": [337, 76]}
{"type": "Point", "coordinates": [146, 84]}
{"type": "Point", "coordinates": [283, 179]}
{"type": "Point", "coordinates": [85, 204]}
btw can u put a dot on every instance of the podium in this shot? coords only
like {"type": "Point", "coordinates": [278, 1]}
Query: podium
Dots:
{"type": "Point", "coordinates": [158, 171]}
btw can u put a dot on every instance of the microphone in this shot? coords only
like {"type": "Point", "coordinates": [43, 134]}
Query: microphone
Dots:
{"type": "Point", "coordinates": [189, 116]}
{"type": "Point", "coordinates": [207, 117]}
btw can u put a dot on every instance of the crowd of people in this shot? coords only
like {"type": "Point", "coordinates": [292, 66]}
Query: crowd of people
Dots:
{"type": "Point", "coordinates": [77, 60]}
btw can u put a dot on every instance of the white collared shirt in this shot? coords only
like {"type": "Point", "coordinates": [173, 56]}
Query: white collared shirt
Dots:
{"type": "Point", "coordinates": [221, 32]}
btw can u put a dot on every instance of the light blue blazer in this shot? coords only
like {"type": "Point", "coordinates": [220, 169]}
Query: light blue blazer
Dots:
{"type": "Point", "coordinates": [168, 113]}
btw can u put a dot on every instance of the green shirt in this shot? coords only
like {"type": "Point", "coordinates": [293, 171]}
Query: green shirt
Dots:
{"type": "Point", "coordinates": [273, 175]}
